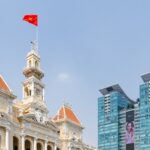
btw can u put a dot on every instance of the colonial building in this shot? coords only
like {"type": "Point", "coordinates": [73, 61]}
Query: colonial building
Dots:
{"type": "Point", "coordinates": [25, 124]}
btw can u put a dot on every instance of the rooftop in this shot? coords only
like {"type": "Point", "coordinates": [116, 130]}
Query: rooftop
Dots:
{"type": "Point", "coordinates": [3, 85]}
{"type": "Point", "coordinates": [66, 113]}
{"type": "Point", "coordinates": [114, 88]}
{"type": "Point", "coordinates": [146, 77]}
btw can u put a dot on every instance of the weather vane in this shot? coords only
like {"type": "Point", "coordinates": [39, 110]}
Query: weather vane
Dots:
{"type": "Point", "coordinates": [33, 45]}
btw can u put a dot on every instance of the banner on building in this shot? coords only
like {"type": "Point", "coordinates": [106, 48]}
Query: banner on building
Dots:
{"type": "Point", "coordinates": [129, 130]}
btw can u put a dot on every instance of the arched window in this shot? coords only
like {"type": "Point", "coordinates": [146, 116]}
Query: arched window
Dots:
{"type": "Point", "coordinates": [49, 147]}
{"type": "Point", "coordinates": [15, 143]}
{"type": "Point", "coordinates": [27, 145]}
{"type": "Point", "coordinates": [36, 64]}
{"type": "Point", "coordinates": [39, 146]}
{"type": "Point", "coordinates": [27, 91]}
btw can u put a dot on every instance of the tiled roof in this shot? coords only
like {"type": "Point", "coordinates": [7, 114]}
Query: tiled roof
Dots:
{"type": "Point", "coordinates": [65, 112]}
{"type": "Point", "coordinates": [3, 85]}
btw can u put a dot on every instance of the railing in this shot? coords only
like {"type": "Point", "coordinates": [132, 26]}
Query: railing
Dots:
{"type": "Point", "coordinates": [33, 67]}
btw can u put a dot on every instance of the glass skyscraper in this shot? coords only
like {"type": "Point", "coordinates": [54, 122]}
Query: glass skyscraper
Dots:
{"type": "Point", "coordinates": [145, 113]}
{"type": "Point", "coordinates": [124, 124]}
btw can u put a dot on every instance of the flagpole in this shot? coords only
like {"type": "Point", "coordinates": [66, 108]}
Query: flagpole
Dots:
{"type": "Point", "coordinates": [37, 38]}
{"type": "Point", "coordinates": [33, 19]}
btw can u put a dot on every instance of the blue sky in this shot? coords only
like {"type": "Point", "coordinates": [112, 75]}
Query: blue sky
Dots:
{"type": "Point", "coordinates": [85, 45]}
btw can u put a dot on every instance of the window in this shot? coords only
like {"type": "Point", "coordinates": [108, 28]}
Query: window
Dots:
{"type": "Point", "coordinates": [27, 91]}
{"type": "Point", "coordinates": [36, 64]}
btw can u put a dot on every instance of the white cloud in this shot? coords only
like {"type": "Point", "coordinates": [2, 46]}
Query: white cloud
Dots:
{"type": "Point", "coordinates": [63, 77]}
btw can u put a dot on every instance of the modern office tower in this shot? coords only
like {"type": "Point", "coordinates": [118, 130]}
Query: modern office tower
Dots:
{"type": "Point", "coordinates": [115, 116]}
{"type": "Point", "coordinates": [124, 124]}
{"type": "Point", "coordinates": [145, 113]}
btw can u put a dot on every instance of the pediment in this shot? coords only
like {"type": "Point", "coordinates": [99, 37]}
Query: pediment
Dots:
{"type": "Point", "coordinates": [32, 119]}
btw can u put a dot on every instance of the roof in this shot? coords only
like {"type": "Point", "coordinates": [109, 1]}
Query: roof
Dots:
{"type": "Point", "coordinates": [33, 52]}
{"type": "Point", "coordinates": [146, 77]}
{"type": "Point", "coordinates": [114, 88]}
{"type": "Point", "coordinates": [66, 113]}
{"type": "Point", "coordinates": [4, 86]}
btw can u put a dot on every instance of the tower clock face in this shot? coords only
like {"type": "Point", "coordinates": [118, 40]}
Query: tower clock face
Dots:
{"type": "Point", "coordinates": [39, 116]}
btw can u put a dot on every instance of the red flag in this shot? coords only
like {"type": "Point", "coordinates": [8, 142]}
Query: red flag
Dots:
{"type": "Point", "coordinates": [33, 19]}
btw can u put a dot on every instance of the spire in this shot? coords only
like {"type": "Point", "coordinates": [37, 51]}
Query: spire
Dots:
{"type": "Point", "coordinates": [33, 63]}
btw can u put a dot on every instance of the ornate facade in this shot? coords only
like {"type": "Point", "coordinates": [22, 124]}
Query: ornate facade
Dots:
{"type": "Point", "coordinates": [25, 124]}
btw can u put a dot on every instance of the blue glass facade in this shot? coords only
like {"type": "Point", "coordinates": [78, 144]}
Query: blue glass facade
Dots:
{"type": "Point", "coordinates": [108, 124]}
{"type": "Point", "coordinates": [109, 119]}
{"type": "Point", "coordinates": [114, 107]}
{"type": "Point", "coordinates": [145, 117]}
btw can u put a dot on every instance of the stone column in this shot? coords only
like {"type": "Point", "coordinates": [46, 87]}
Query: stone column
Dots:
{"type": "Point", "coordinates": [45, 145]}
{"type": "Point", "coordinates": [32, 89]}
{"type": "Point", "coordinates": [35, 143]}
{"type": "Point", "coordinates": [23, 142]}
{"type": "Point", "coordinates": [7, 139]}
{"type": "Point", "coordinates": [69, 147]}
{"type": "Point", "coordinates": [55, 146]}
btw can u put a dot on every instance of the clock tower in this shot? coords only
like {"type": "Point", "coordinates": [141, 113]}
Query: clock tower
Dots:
{"type": "Point", "coordinates": [33, 88]}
